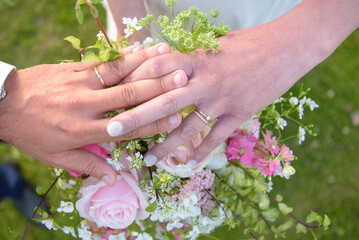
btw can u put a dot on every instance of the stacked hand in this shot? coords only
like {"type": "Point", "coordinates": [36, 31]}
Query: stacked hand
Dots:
{"type": "Point", "coordinates": [51, 110]}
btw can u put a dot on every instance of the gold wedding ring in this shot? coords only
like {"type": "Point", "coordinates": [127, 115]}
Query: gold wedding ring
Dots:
{"type": "Point", "coordinates": [205, 118]}
{"type": "Point", "coordinates": [99, 77]}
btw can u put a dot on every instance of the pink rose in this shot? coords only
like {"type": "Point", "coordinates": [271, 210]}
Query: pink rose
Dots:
{"type": "Point", "coordinates": [180, 161]}
{"type": "Point", "coordinates": [114, 207]}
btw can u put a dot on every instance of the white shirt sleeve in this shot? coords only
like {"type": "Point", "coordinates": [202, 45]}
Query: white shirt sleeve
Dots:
{"type": "Point", "coordinates": [5, 69]}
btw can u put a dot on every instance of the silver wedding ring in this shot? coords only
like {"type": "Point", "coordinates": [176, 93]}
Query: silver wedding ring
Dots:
{"type": "Point", "coordinates": [99, 77]}
{"type": "Point", "coordinates": [205, 118]}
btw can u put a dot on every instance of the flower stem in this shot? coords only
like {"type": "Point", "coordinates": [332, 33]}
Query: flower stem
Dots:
{"type": "Point", "coordinates": [38, 206]}
{"type": "Point", "coordinates": [104, 32]}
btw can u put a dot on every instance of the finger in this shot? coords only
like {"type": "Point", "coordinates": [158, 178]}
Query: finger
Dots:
{"type": "Point", "coordinates": [130, 49]}
{"type": "Point", "coordinates": [114, 71]}
{"type": "Point", "coordinates": [162, 65]}
{"type": "Point", "coordinates": [220, 131]}
{"type": "Point", "coordinates": [131, 94]}
{"type": "Point", "coordinates": [190, 127]}
{"type": "Point", "coordinates": [88, 163]}
{"type": "Point", "coordinates": [153, 110]}
{"type": "Point", "coordinates": [93, 132]}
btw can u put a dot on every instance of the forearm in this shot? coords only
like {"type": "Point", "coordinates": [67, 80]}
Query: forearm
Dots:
{"type": "Point", "coordinates": [315, 28]}
{"type": "Point", "coordinates": [129, 9]}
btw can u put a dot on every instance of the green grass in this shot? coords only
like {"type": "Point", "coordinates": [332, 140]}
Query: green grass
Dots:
{"type": "Point", "coordinates": [327, 179]}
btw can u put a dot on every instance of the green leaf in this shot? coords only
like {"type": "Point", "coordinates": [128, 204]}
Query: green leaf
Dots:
{"type": "Point", "coordinates": [264, 202]}
{"type": "Point", "coordinates": [143, 185]}
{"type": "Point", "coordinates": [314, 236]}
{"type": "Point", "coordinates": [271, 214]}
{"type": "Point", "coordinates": [326, 222]}
{"type": "Point", "coordinates": [40, 190]}
{"type": "Point", "coordinates": [147, 176]}
{"type": "Point", "coordinates": [152, 207]}
{"type": "Point", "coordinates": [301, 228]}
{"type": "Point", "coordinates": [76, 43]}
{"type": "Point", "coordinates": [313, 216]}
{"type": "Point", "coordinates": [284, 227]}
{"type": "Point", "coordinates": [285, 209]}
{"type": "Point", "coordinates": [279, 197]}
{"type": "Point", "coordinates": [97, 45]}
{"type": "Point", "coordinates": [89, 57]}
{"type": "Point", "coordinates": [260, 186]}
{"type": "Point", "coordinates": [79, 15]}
{"type": "Point", "coordinates": [156, 183]}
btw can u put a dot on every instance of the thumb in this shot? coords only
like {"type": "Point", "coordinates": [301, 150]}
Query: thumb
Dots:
{"type": "Point", "coordinates": [89, 163]}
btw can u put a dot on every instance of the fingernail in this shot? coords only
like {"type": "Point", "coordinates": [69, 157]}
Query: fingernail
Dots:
{"type": "Point", "coordinates": [150, 160]}
{"type": "Point", "coordinates": [173, 119]}
{"type": "Point", "coordinates": [115, 129]}
{"type": "Point", "coordinates": [161, 49]}
{"type": "Point", "coordinates": [105, 179]}
{"type": "Point", "coordinates": [177, 79]}
{"type": "Point", "coordinates": [192, 163]}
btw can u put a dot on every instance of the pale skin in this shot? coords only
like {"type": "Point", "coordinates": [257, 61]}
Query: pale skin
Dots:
{"type": "Point", "coordinates": [254, 67]}
{"type": "Point", "coordinates": [51, 110]}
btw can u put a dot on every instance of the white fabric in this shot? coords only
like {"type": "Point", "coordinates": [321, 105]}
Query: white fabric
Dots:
{"type": "Point", "coordinates": [237, 14]}
{"type": "Point", "coordinates": [5, 69]}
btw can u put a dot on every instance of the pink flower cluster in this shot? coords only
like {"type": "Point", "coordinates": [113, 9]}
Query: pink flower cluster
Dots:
{"type": "Point", "coordinates": [196, 184]}
{"type": "Point", "coordinates": [265, 155]}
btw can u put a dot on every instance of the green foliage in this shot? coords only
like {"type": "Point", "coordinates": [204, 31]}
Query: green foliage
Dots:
{"type": "Point", "coordinates": [284, 209]}
{"type": "Point", "coordinates": [6, 2]}
{"type": "Point", "coordinates": [152, 207]}
{"type": "Point", "coordinates": [314, 217]}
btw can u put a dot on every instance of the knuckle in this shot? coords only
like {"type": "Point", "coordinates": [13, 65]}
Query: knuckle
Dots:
{"type": "Point", "coordinates": [131, 135]}
{"type": "Point", "coordinates": [116, 68]}
{"type": "Point", "coordinates": [161, 151]}
{"type": "Point", "coordinates": [76, 130]}
{"type": "Point", "coordinates": [168, 105]}
{"type": "Point", "coordinates": [90, 167]}
{"type": "Point", "coordinates": [188, 132]}
{"type": "Point", "coordinates": [160, 85]}
{"type": "Point", "coordinates": [143, 55]}
{"type": "Point", "coordinates": [129, 94]}
{"type": "Point", "coordinates": [157, 66]}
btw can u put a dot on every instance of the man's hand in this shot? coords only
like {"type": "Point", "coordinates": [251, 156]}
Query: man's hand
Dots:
{"type": "Point", "coordinates": [51, 110]}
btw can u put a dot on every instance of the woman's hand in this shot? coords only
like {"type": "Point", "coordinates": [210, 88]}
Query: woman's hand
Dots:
{"type": "Point", "coordinates": [51, 110]}
{"type": "Point", "coordinates": [253, 67]}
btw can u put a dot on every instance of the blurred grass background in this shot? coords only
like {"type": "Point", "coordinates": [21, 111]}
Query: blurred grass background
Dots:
{"type": "Point", "coordinates": [327, 178]}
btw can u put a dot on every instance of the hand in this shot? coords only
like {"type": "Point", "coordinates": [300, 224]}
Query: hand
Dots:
{"type": "Point", "coordinates": [51, 110]}
{"type": "Point", "coordinates": [252, 69]}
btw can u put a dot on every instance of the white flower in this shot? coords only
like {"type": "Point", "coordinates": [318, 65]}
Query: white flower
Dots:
{"type": "Point", "coordinates": [84, 224]}
{"type": "Point", "coordinates": [115, 163]}
{"type": "Point", "coordinates": [300, 108]}
{"type": "Point", "coordinates": [287, 171]}
{"type": "Point", "coordinates": [148, 42]}
{"type": "Point", "coordinates": [185, 170]}
{"type": "Point", "coordinates": [121, 236]}
{"type": "Point", "coordinates": [270, 185]}
{"type": "Point", "coordinates": [311, 104]}
{"type": "Point", "coordinates": [194, 233]}
{"type": "Point", "coordinates": [49, 223]}
{"type": "Point", "coordinates": [100, 35]}
{"type": "Point", "coordinates": [84, 234]}
{"type": "Point", "coordinates": [281, 123]}
{"type": "Point", "coordinates": [131, 26]}
{"type": "Point", "coordinates": [66, 207]}
{"type": "Point", "coordinates": [218, 158]}
{"type": "Point", "coordinates": [301, 134]}
{"type": "Point", "coordinates": [72, 182]}
{"type": "Point", "coordinates": [175, 224]}
{"type": "Point", "coordinates": [68, 230]}
{"type": "Point", "coordinates": [278, 100]}
{"type": "Point", "coordinates": [293, 101]}
{"type": "Point", "coordinates": [144, 236]}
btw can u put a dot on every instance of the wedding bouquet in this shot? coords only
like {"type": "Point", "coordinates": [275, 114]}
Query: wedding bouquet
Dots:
{"type": "Point", "coordinates": [178, 198]}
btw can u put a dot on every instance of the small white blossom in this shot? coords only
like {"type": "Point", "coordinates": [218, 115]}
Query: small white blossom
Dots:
{"type": "Point", "coordinates": [84, 224]}
{"type": "Point", "coordinates": [148, 42]}
{"type": "Point", "coordinates": [72, 182]}
{"type": "Point", "coordinates": [84, 234]}
{"type": "Point", "coordinates": [131, 26]}
{"type": "Point", "coordinates": [287, 171]}
{"type": "Point", "coordinates": [301, 134]}
{"type": "Point", "coordinates": [312, 104]}
{"type": "Point", "coordinates": [66, 207]}
{"type": "Point", "coordinates": [115, 163]}
{"type": "Point", "coordinates": [68, 230]}
{"type": "Point", "coordinates": [194, 234]}
{"type": "Point", "coordinates": [121, 236]}
{"type": "Point", "coordinates": [293, 101]}
{"type": "Point", "coordinates": [49, 223]}
{"type": "Point", "coordinates": [100, 35]}
{"type": "Point", "coordinates": [144, 236]}
{"type": "Point", "coordinates": [300, 107]}
{"type": "Point", "coordinates": [175, 224]}
{"type": "Point", "coordinates": [270, 185]}
{"type": "Point", "coordinates": [281, 123]}
{"type": "Point", "coordinates": [279, 100]}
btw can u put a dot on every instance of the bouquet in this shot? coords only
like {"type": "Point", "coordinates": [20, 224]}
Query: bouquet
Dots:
{"type": "Point", "coordinates": [178, 198]}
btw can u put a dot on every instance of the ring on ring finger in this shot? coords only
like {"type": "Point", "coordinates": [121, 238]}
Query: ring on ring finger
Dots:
{"type": "Point", "coordinates": [100, 77]}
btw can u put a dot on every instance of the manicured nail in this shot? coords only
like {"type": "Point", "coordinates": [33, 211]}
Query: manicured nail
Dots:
{"type": "Point", "coordinates": [105, 179]}
{"type": "Point", "coordinates": [161, 49]}
{"type": "Point", "coordinates": [150, 160]}
{"type": "Point", "coordinates": [177, 79]}
{"type": "Point", "coordinates": [192, 163]}
{"type": "Point", "coordinates": [115, 129]}
{"type": "Point", "coordinates": [173, 119]}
